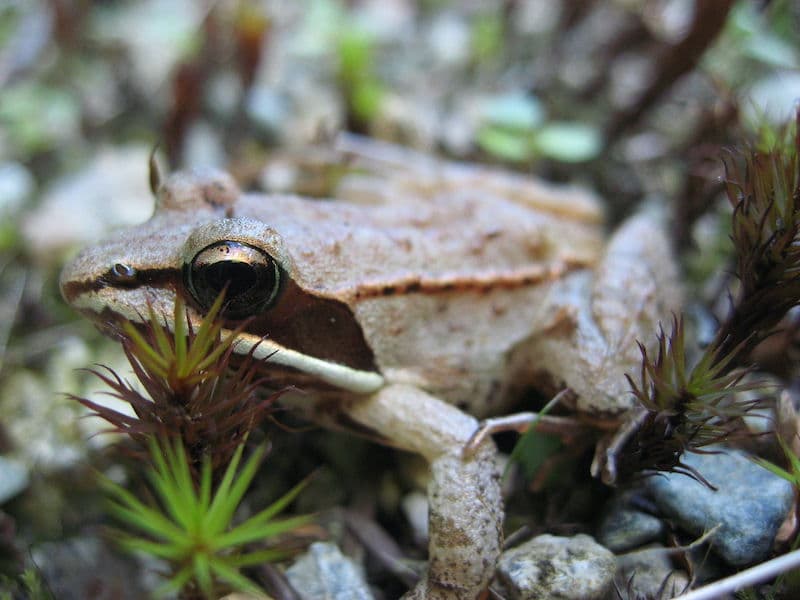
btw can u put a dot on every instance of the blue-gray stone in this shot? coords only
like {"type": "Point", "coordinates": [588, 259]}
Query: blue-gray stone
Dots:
{"type": "Point", "coordinates": [649, 573]}
{"type": "Point", "coordinates": [749, 505]}
{"type": "Point", "coordinates": [324, 572]}
{"type": "Point", "coordinates": [14, 478]}
{"type": "Point", "coordinates": [623, 527]}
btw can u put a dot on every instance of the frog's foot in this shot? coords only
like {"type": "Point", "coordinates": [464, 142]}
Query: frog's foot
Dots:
{"type": "Point", "coordinates": [522, 422]}
{"type": "Point", "coordinates": [465, 511]}
{"type": "Point", "coordinates": [609, 450]}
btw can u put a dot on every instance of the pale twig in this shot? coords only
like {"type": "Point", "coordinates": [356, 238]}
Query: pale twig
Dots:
{"type": "Point", "coordinates": [758, 574]}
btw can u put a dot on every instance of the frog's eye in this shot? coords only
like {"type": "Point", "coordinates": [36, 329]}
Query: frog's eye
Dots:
{"type": "Point", "coordinates": [251, 275]}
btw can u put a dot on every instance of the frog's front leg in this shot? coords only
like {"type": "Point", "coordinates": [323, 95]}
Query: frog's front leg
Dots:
{"type": "Point", "coordinates": [465, 506]}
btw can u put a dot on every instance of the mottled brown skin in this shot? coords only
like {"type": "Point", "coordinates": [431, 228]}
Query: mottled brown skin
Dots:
{"type": "Point", "coordinates": [427, 294]}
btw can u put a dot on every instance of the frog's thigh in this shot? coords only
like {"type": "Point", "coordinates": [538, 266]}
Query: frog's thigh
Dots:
{"type": "Point", "coordinates": [634, 287]}
{"type": "Point", "coordinates": [465, 507]}
{"type": "Point", "coordinates": [637, 282]}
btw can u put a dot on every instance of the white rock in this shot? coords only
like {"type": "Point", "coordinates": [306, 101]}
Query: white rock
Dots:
{"type": "Point", "coordinates": [324, 572]}
{"type": "Point", "coordinates": [576, 568]}
{"type": "Point", "coordinates": [111, 191]}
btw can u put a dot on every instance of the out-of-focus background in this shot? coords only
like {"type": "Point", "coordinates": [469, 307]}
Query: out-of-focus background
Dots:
{"type": "Point", "coordinates": [635, 99]}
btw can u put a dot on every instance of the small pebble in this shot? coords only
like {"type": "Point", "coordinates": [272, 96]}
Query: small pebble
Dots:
{"type": "Point", "coordinates": [649, 573]}
{"type": "Point", "coordinates": [324, 572]}
{"type": "Point", "coordinates": [624, 528]}
{"type": "Point", "coordinates": [575, 568]}
{"type": "Point", "coordinates": [415, 509]}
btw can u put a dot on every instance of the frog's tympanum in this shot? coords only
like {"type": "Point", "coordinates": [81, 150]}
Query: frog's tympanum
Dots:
{"type": "Point", "coordinates": [425, 295]}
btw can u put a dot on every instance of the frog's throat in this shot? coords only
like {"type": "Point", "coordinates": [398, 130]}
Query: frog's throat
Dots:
{"type": "Point", "coordinates": [341, 376]}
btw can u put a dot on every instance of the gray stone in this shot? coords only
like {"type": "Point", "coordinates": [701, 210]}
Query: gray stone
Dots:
{"type": "Point", "coordinates": [324, 573]}
{"type": "Point", "coordinates": [749, 505]}
{"type": "Point", "coordinates": [624, 528]}
{"type": "Point", "coordinates": [649, 573]}
{"type": "Point", "coordinates": [86, 567]}
{"type": "Point", "coordinates": [575, 568]}
{"type": "Point", "coordinates": [14, 478]}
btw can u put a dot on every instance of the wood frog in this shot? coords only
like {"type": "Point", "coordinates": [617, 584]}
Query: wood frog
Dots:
{"type": "Point", "coordinates": [427, 294]}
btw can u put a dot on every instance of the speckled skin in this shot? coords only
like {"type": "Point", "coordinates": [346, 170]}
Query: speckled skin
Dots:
{"type": "Point", "coordinates": [443, 288]}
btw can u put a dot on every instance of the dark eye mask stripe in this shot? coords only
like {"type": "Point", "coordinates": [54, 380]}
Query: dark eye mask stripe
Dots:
{"type": "Point", "coordinates": [149, 277]}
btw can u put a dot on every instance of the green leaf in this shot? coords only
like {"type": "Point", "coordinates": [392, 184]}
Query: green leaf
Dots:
{"type": "Point", "coordinates": [775, 470]}
{"type": "Point", "coordinates": [532, 448]}
{"type": "Point", "coordinates": [513, 146]}
{"type": "Point", "coordinates": [487, 37]}
{"type": "Point", "coordinates": [367, 98]}
{"type": "Point", "coordinates": [513, 112]}
{"type": "Point", "coordinates": [281, 503]}
{"type": "Point", "coordinates": [208, 331]}
{"type": "Point", "coordinates": [180, 480]}
{"type": "Point", "coordinates": [150, 359]}
{"type": "Point", "coordinates": [252, 532]}
{"type": "Point", "coordinates": [202, 574]}
{"type": "Point", "coordinates": [173, 496]}
{"type": "Point", "coordinates": [205, 486]}
{"type": "Point", "coordinates": [231, 576]}
{"type": "Point", "coordinates": [159, 550]}
{"type": "Point", "coordinates": [568, 142]}
{"type": "Point", "coordinates": [175, 583]}
{"type": "Point", "coordinates": [243, 479]}
{"type": "Point", "coordinates": [163, 343]}
{"type": "Point", "coordinates": [180, 335]}
{"type": "Point", "coordinates": [257, 558]}
{"type": "Point", "coordinates": [219, 513]}
{"type": "Point", "coordinates": [135, 513]}
{"type": "Point", "coordinates": [356, 53]}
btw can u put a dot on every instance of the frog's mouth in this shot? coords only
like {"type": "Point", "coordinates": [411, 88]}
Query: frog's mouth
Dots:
{"type": "Point", "coordinates": [272, 353]}
{"type": "Point", "coordinates": [110, 313]}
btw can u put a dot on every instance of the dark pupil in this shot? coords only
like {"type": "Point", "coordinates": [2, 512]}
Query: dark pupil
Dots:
{"type": "Point", "coordinates": [249, 276]}
{"type": "Point", "coordinates": [238, 276]}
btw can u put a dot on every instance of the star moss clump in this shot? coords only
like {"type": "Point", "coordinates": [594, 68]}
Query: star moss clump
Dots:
{"type": "Point", "coordinates": [190, 527]}
{"type": "Point", "coordinates": [191, 421]}
{"type": "Point", "coordinates": [190, 388]}
{"type": "Point", "coordinates": [687, 405]}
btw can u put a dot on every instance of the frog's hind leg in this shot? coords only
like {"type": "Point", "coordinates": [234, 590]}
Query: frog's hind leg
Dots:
{"type": "Point", "coordinates": [603, 314]}
{"type": "Point", "coordinates": [465, 507]}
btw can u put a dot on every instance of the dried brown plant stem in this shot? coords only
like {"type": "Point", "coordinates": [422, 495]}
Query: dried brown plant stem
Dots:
{"type": "Point", "coordinates": [708, 20]}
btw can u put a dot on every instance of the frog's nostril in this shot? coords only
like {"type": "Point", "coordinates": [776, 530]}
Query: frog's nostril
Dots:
{"type": "Point", "coordinates": [122, 273]}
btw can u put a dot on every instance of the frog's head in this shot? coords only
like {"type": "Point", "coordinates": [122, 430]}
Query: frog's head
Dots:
{"type": "Point", "coordinates": [195, 246]}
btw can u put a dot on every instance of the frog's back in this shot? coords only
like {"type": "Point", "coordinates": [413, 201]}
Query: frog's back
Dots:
{"type": "Point", "coordinates": [446, 270]}
{"type": "Point", "coordinates": [385, 233]}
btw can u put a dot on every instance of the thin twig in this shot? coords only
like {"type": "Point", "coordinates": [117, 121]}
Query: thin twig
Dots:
{"type": "Point", "coordinates": [748, 577]}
